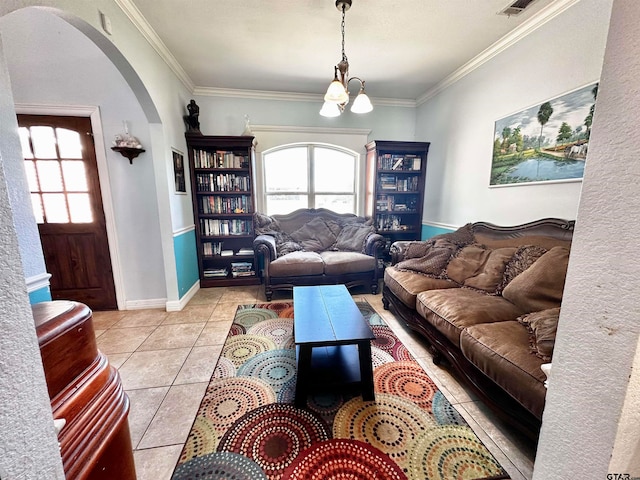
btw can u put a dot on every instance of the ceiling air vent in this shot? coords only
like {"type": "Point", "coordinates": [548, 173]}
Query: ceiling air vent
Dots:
{"type": "Point", "coordinates": [516, 7]}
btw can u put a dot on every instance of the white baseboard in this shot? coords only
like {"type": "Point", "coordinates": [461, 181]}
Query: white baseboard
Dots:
{"type": "Point", "coordinates": [176, 306]}
{"type": "Point", "coordinates": [142, 304]}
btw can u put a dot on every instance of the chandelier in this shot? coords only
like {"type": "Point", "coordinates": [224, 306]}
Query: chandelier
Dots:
{"type": "Point", "coordinates": [337, 96]}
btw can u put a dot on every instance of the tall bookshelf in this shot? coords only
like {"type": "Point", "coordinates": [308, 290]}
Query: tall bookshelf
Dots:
{"type": "Point", "coordinates": [395, 175]}
{"type": "Point", "coordinates": [222, 189]}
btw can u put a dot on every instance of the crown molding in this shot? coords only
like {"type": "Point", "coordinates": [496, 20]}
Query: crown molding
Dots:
{"type": "Point", "coordinates": [138, 20]}
{"type": "Point", "coordinates": [289, 96]}
{"type": "Point", "coordinates": [299, 129]}
{"type": "Point", "coordinates": [541, 18]}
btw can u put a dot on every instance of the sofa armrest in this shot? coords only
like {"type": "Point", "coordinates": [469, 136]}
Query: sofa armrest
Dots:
{"type": "Point", "coordinates": [265, 248]}
{"type": "Point", "coordinates": [374, 245]}
{"type": "Point", "coordinates": [398, 250]}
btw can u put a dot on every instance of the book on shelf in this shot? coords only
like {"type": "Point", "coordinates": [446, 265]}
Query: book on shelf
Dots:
{"type": "Point", "coordinates": [245, 251]}
{"type": "Point", "coordinates": [242, 269]}
{"type": "Point", "coordinates": [215, 272]}
{"type": "Point", "coordinates": [226, 253]}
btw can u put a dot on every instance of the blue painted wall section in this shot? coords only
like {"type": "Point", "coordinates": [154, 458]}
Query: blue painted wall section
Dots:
{"type": "Point", "coordinates": [184, 247]}
{"type": "Point", "coordinates": [41, 295]}
{"type": "Point", "coordinates": [429, 231]}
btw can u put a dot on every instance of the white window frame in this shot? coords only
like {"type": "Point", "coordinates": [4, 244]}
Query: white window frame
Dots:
{"type": "Point", "coordinates": [311, 192]}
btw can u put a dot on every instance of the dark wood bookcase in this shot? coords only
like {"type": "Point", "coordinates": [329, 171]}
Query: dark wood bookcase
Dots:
{"type": "Point", "coordinates": [395, 176]}
{"type": "Point", "coordinates": [222, 189]}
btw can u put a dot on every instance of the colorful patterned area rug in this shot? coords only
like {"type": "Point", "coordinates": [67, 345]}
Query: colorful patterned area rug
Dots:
{"type": "Point", "coordinates": [247, 427]}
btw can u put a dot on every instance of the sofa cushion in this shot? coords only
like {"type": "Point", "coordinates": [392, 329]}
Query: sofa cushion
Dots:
{"type": "Point", "coordinates": [462, 236]}
{"type": "Point", "coordinates": [479, 267]}
{"type": "Point", "coordinates": [314, 236]}
{"type": "Point", "coordinates": [541, 285]}
{"type": "Point", "coordinates": [297, 264]}
{"type": "Point", "coordinates": [406, 285]}
{"type": "Point", "coordinates": [542, 327]}
{"type": "Point", "coordinates": [501, 351]}
{"type": "Point", "coordinates": [352, 237]}
{"type": "Point", "coordinates": [339, 263]}
{"type": "Point", "coordinates": [452, 310]}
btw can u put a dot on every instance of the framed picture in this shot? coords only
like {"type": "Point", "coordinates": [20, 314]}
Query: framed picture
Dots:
{"type": "Point", "coordinates": [178, 172]}
{"type": "Point", "coordinates": [547, 142]}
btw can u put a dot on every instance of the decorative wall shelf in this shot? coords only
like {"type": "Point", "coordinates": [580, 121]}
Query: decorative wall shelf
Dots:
{"type": "Point", "coordinates": [129, 152]}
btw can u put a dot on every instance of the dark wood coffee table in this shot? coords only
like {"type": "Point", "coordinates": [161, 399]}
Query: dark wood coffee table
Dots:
{"type": "Point", "coordinates": [333, 342]}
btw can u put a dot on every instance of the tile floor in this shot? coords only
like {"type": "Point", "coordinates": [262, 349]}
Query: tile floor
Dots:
{"type": "Point", "coordinates": [166, 359]}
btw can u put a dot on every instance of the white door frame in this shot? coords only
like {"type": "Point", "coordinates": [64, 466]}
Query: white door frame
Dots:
{"type": "Point", "coordinates": [103, 171]}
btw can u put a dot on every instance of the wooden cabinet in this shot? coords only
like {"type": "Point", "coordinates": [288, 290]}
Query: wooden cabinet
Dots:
{"type": "Point", "coordinates": [395, 173]}
{"type": "Point", "coordinates": [222, 188]}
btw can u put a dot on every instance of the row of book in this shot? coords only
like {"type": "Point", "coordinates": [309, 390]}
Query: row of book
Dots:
{"type": "Point", "coordinates": [216, 248]}
{"type": "Point", "coordinates": [215, 227]}
{"type": "Point", "coordinates": [390, 161]}
{"type": "Point", "coordinates": [222, 182]}
{"type": "Point", "coordinates": [389, 203]}
{"type": "Point", "coordinates": [219, 159]}
{"type": "Point", "coordinates": [242, 269]}
{"type": "Point", "coordinates": [389, 223]}
{"type": "Point", "coordinates": [398, 184]}
{"type": "Point", "coordinates": [213, 205]}
{"type": "Point", "coordinates": [215, 272]}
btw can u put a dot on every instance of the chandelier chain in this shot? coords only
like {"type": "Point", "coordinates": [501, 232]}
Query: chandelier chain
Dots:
{"type": "Point", "coordinates": [344, 56]}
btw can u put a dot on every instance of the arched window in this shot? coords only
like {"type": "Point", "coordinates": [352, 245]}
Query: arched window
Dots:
{"type": "Point", "coordinates": [309, 176]}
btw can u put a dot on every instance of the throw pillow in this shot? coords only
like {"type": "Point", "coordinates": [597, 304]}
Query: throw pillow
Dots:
{"type": "Point", "coordinates": [418, 249]}
{"type": "Point", "coordinates": [314, 236]}
{"type": "Point", "coordinates": [433, 262]}
{"type": "Point", "coordinates": [352, 237]}
{"type": "Point", "coordinates": [479, 267]}
{"type": "Point", "coordinates": [542, 328]}
{"type": "Point", "coordinates": [541, 285]}
{"type": "Point", "coordinates": [522, 259]}
{"type": "Point", "coordinates": [264, 224]}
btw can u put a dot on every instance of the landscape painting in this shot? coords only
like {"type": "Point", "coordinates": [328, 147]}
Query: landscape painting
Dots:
{"type": "Point", "coordinates": [546, 142]}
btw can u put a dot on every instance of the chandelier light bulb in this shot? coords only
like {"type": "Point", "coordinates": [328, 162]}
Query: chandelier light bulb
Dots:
{"type": "Point", "coordinates": [330, 109]}
{"type": "Point", "coordinates": [362, 104]}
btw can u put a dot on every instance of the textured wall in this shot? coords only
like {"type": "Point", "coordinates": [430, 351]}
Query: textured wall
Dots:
{"type": "Point", "coordinates": [598, 329]}
{"type": "Point", "coordinates": [28, 446]}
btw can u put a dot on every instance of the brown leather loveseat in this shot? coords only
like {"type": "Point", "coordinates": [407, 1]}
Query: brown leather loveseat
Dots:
{"type": "Point", "coordinates": [487, 299]}
{"type": "Point", "coordinates": [316, 247]}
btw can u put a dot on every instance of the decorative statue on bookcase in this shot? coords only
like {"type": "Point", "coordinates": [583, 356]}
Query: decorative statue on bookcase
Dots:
{"type": "Point", "coordinates": [193, 124]}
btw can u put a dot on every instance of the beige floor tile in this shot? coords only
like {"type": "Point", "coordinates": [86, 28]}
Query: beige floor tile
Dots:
{"type": "Point", "coordinates": [98, 332]}
{"type": "Point", "coordinates": [123, 340]}
{"type": "Point", "coordinates": [104, 320]}
{"type": "Point", "coordinates": [520, 450]}
{"type": "Point", "coordinates": [199, 365]}
{"type": "Point", "coordinates": [144, 405]}
{"type": "Point", "coordinates": [207, 296]}
{"type": "Point", "coordinates": [172, 422]}
{"type": "Point", "coordinates": [214, 333]}
{"type": "Point", "coordinates": [142, 318]}
{"type": "Point", "coordinates": [156, 463]}
{"type": "Point", "coordinates": [224, 312]}
{"type": "Point", "coordinates": [241, 295]}
{"type": "Point", "coordinates": [117, 359]}
{"type": "Point", "coordinates": [156, 368]}
{"type": "Point", "coordinates": [190, 314]}
{"type": "Point", "coordinates": [172, 336]}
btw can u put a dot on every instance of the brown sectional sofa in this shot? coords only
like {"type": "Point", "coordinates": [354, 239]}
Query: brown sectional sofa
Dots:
{"type": "Point", "coordinates": [486, 299]}
{"type": "Point", "coordinates": [316, 247]}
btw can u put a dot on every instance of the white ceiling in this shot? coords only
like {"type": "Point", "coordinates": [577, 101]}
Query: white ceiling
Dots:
{"type": "Point", "coordinates": [401, 48]}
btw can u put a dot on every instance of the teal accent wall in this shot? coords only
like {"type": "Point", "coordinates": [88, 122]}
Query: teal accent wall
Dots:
{"type": "Point", "coordinates": [429, 231]}
{"type": "Point", "coordinates": [41, 295]}
{"type": "Point", "coordinates": [184, 248]}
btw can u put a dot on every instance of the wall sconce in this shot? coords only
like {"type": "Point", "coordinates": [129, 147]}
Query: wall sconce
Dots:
{"type": "Point", "coordinates": [127, 145]}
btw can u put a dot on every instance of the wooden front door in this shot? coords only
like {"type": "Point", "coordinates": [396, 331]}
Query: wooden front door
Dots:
{"type": "Point", "coordinates": [60, 161]}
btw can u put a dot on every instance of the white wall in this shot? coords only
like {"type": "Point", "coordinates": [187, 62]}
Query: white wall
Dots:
{"type": "Point", "coordinates": [598, 329]}
{"type": "Point", "coordinates": [28, 445]}
{"type": "Point", "coordinates": [560, 56]}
